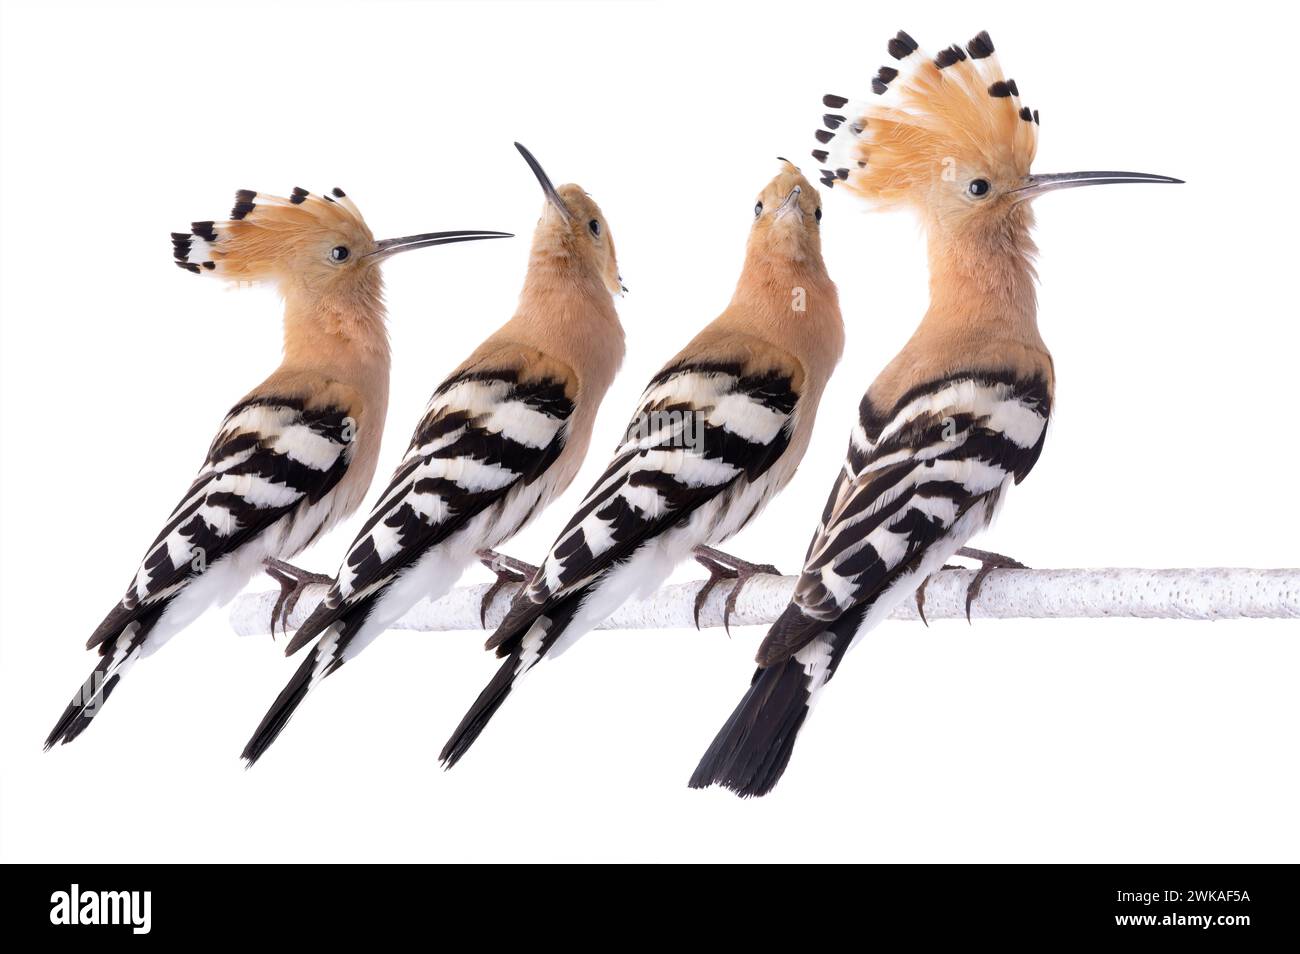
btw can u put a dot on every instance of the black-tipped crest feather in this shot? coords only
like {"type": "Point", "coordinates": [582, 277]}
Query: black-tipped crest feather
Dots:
{"type": "Point", "coordinates": [902, 46]}
{"type": "Point", "coordinates": [981, 46]}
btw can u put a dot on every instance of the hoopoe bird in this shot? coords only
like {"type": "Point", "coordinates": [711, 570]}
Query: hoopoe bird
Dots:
{"type": "Point", "coordinates": [717, 433]}
{"type": "Point", "coordinates": [500, 438]}
{"type": "Point", "coordinates": [957, 417]}
{"type": "Point", "coordinates": [296, 454]}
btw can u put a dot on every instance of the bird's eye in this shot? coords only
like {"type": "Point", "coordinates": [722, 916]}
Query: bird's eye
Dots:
{"type": "Point", "coordinates": [339, 253]}
{"type": "Point", "coordinates": [978, 187]}
{"type": "Point", "coordinates": [758, 209]}
{"type": "Point", "coordinates": [818, 213]}
{"type": "Point", "coordinates": [595, 227]}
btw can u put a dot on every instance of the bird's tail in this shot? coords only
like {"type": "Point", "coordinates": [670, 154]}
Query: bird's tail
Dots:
{"type": "Point", "coordinates": [537, 640]}
{"type": "Point", "coordinates": [484, 707]}
{"type": "Point", "coordinates": [750, 753]}
{"type": "Point", "coordinates": [117, 657]}
{"type": "Point", "coordinates": [277, 717]}
{"type": "Point", "coordinates": [325, 657]}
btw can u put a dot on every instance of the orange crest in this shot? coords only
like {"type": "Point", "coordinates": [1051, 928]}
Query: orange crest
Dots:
{"type": "Point", "coordinates": [267, 236]}
{"type": "Point", "coordinates": [951, 117]}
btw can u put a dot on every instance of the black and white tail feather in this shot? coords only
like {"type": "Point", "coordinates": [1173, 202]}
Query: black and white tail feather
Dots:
{"type": "Point", "coordinates": [918, 482]}
{"type": "Point", "coordinates": [323, 659]}
{"type": "Point", "coordinates": [94, 692]}
{"type": "Point", "coordinates": [753, 748]}
{"type": "Point", "coordinates": [548, 629]}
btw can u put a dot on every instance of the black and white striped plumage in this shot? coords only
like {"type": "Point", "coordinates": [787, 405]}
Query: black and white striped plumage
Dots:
{"type": "Point", "coordinates": [920, 479]}
{"type": "Point", "coordinates": [478, 467]}
{"type": "Point", "coordinates": [262, 491]}
{"type": "Point", "coordinates": [705, 451]}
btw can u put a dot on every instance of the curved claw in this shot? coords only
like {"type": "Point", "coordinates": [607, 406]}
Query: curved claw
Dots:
{"type": "Point", "coordinates": [989, 562]}
{"type": "Point", "coordinates": [729, 606]}
{"type": "Point", "coordinates": [717, 573]}
{"type": "Point", "coordinates": [973, 590]}
{"type": "Point", "coordinates": [743, 577]}
{"type": "Point", "coordinates": [723, 566]}
{"type": "Point", "coordinates": [920, 593]}
{"type": "Point", "coordinates": [293, 583]}
{"type": "Point", "coordinates": [279, 600]}
{"type": "Point", "coordinates": [508, 570]}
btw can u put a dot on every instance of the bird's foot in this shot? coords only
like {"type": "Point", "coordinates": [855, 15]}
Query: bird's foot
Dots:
{"type": "Point", "coordinates": [920, 593]}
{"type": "Point", "coordinates": [293, 583]}
{"type": "Point", "coordinates": [724, 566]}
{"type": "Point", "coordinates": [989, 562]}
{"type": "Point", "coordinates": [508, 571]}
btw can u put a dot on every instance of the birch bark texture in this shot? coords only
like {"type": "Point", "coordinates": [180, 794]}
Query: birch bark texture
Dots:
{"type": "Point", "coordinates": [1205, 594]}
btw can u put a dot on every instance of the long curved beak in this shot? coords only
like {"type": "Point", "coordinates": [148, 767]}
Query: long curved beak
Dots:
{"type": "Point", "coordinates": [791, 203]}
{"type": "Point", "coordinates": [1049, 182]}
{"type": "Point", "coordinates": [547, 187]}
{"type": "Point", "coordinates": [394, 245]}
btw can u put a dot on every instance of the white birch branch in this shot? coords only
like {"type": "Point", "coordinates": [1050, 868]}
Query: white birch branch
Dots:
{"type": "Point", "coordinates": [1006, 594]}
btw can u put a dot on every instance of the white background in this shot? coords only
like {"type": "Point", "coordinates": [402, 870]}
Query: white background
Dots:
{"type": "Point", "coordinates": [1171, 312]}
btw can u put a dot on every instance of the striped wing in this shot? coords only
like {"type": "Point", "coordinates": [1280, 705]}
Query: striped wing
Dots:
{"type": "Point", "coordinates": [271, 455]}
{"type": "Point", "coordinates": [483, 434]}
{"type": "Point", "coordinates": [940, 459]}
{"type": "Point", "coordinates": [699, 430]}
